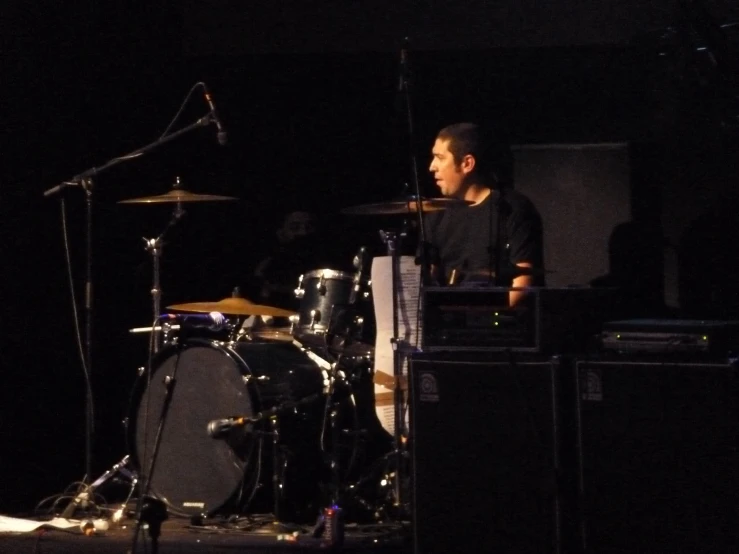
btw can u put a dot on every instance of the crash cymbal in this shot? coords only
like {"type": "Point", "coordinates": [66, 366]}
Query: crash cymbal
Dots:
{"type": "Point", "coordinates": [178, 195]}
{"type": "Point", "coordinates": [400, 207]}
{"type": "Point", "coordinates": [232, 306]}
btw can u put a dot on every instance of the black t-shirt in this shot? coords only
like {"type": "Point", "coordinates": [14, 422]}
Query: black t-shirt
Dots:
{"type": "Point", "coordinates": [465, 238]}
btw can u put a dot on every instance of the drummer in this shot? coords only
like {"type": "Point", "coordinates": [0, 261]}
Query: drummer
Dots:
{"type": "Point", "coordinates": [470, 164]}
{"type": "Point", "coordinates": [290, 254]}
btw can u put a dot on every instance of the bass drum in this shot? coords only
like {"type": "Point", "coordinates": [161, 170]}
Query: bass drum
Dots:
{"type": "Point", "coordinates": [196, 474]}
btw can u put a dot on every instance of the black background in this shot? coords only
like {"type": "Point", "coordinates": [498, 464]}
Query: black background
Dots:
{"type": "Point", "coordinates": [309, 125]}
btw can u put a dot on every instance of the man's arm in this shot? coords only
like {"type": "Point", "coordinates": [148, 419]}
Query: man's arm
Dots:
{"type": "Point", "coordinates": [521, 281]}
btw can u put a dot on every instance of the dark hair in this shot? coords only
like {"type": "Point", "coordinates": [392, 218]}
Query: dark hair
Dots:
{"type": "Point", "coordinates": [492, 153]}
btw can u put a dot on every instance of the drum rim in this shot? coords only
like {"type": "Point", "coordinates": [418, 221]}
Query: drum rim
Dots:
{"type": "Point", "coordinates": [139, 388]}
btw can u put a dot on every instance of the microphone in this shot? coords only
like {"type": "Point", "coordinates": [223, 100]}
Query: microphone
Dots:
{"type": "Point", "coordinates": [214, 321]}
{"type": "Point", "coordinates": [222, 137]}
{"type": "Point", "coordinates": [219, 428]}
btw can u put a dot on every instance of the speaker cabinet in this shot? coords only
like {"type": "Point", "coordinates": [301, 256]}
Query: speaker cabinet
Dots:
{"type": "Point", "coordinates": [657, 448]}
{"type": "Point", "coordinates": [484, 455]}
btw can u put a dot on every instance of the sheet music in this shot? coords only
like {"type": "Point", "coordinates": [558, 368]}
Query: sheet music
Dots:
{"type": "Point", "coordinates": [409, 329]}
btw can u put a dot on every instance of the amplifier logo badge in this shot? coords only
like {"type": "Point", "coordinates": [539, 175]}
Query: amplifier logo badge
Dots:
{"type": "Point", "coordinates": [592, 385]}
{"type": "Point", "coordinates": [429, 388]}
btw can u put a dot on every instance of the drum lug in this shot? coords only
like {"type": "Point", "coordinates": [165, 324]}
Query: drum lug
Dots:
{"type": "Point", "coordinates": [299, 291]}
{"type": "Point", "coordinates": [315, 317]}
{"type": "Point", "coordinates": [321, 285]}
{"type": "Point", "coordinates": [246, 379]}
{"type": "Point", "coordinates": [140, 370]}
{"type": "Point", "coordinates": [359, 324]}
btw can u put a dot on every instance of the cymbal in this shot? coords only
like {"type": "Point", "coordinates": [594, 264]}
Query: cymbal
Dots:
{"type": "Point", "coordinates": [401, 207]}
{"type": "Point", "coordinates": [232, 306]}
{"type": "Point", "coordinates": [178, 195]}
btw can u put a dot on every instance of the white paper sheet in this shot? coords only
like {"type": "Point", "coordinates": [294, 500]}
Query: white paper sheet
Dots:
{"type": "Point", "coordinates": [18, 525]}
{"type": "Point", "coordinates": [409, 329]}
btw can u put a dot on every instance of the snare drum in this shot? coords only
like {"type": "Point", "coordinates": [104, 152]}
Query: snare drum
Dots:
{"type": "Point", "coordinates": [331, 303]}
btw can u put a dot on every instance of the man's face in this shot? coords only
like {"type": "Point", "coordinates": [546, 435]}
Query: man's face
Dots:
{"type": "Point", "coordinates": [297, 224]}
{"type": "Point", "coordinates": [449, 176]}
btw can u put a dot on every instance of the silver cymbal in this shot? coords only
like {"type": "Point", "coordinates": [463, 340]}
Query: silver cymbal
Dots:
{"type": "Point", "coordinates": [401, 207]}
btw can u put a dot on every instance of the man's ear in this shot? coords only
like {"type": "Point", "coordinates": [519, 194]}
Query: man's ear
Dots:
{"type": "Point", "coordinates": [468, 164]}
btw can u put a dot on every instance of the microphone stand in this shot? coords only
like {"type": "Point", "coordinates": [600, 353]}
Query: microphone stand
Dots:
{"type": "Point", "coordinates": [84, 180]}
{"type": "Point", "coordinates": [405, 90]}
{"type": "Point", "coordinates": [402, 350]}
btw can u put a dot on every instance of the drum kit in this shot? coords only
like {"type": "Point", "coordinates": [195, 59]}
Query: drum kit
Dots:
{"type": "Point", "coordinates": [233, 405]}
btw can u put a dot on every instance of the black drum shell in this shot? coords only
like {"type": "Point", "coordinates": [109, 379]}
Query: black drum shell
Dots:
{"type": "Point", "coordinates": [328, 293]}
{"type": "Point", "coordinates": [194, 473]}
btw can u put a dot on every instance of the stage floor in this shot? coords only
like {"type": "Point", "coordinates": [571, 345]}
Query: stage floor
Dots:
{"type": "Point", "coordinates": [179, 536]}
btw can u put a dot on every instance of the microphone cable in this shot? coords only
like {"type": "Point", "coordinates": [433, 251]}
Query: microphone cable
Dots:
{"type": "Point", "coordinates": [182, 108]}
{"type": "Point", "coordinates": [89, 406]}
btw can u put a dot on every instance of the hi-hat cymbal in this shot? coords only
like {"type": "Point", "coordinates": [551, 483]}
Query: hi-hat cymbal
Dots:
{"type": "Point", "coordinates": [232, 306]}
{"type": "Point", "coordinates": [401, 207]}
{"type": "Point", "coordinates": [178, 195]}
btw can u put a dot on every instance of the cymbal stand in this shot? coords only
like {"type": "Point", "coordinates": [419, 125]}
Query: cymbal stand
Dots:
{"type": "Point", "coordinates": [154, 247]}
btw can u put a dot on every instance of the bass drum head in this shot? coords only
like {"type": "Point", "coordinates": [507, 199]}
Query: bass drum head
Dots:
{"type": "Point", "coordinates": [193, 473]}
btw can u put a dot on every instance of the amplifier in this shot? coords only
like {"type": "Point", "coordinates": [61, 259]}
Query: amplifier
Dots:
{"type": "Point", "coordinates": [658, 447]}
{"type": "Point", "coordinates": [484, 443]}
{"type": "Point", "coordinates": [700, 338]}
{"type": "Point", "coordinates": [547, 320]}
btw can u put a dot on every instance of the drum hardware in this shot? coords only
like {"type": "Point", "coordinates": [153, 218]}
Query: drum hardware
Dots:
{"type": "Point", "coordinates": [155, 245]}
{"type": "Point", "coordinates": [315, 315]}
{"type": "Point", "coordinates": [359, 261]}
{"type": "Point", "coordinates": [164, 327]}
{"type": "Point", "coordinates": [330, 300]}
{"type": "Point", "coordinates": [220, 429]}
{"type": "Point", "coordinates": [258, 379]}
{"type": "Point", "coordinates": [148, 509]}
{"type": "Point", "coordinates": [84, 181]}
{"type": "Point", "coordinates": [84, 497]}
{"type": "Point", "coordinates": [153, 512]}
{"type": "Point", "coordinates": [401, 352]}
